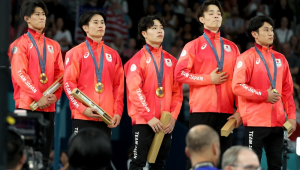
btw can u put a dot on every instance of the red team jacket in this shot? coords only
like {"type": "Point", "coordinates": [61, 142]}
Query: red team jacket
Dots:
{"type": "Point", "coordinates": [195, 64]}
{"type": "Point", "coordinates": [25, 69]}
{"type": "Point", "coordinates": [141, 80]}
{"type": "Point", "coordinates": [80, 73]}
{"type": "Point", "coordinates": [250, 84]}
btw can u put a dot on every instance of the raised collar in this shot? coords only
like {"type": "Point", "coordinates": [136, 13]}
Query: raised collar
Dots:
{"type": "Point", "coordinates": [212, 35]}
{"type": "Point", "coordinates": [153, 48]}
{"type": "Point", "coordinates": [263, 49]}
{"type": "Point", "coordinates": [35, 34]}
{"type": "Point", "coordinates": [94, 43]}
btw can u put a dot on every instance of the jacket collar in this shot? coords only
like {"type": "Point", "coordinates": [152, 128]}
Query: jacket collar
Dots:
{"type": "Point", "coordinates": [263, 49]}
{"type": "Point", "coordinates": [153, 49]}
{"type": "Point", "coordinates": [212, 35]}
{"type": "Point", "coordinates": [36, 34]}
{"type": "Point", "coordinates": [94, 44]}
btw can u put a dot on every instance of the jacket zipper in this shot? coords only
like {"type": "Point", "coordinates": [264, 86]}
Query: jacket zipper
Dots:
{"type": "Point", "coordinates": [272, 87]}
{"type": "Point", "coordinates": [96, 73]}
{"type": "Point", "coordinates": [43, 59]}
{"type": "Point", "coordinates": [216, 85]}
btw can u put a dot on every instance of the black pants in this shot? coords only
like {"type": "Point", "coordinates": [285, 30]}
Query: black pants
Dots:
{"type": "Point", "coordinates": [49, 134]}
{"type": "Point", "coordinates": [78, 124]}
{"type": "Point", "coordinates": [215, 121]}
{"type": "Point", "coordinates": [142, 139]}
{"type": "Point", "coordinates": [271, 138]}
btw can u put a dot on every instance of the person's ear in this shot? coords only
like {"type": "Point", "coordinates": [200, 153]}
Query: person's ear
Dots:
{"type": "Point", "coordinates": [144, 33]}
{"type": "Point", "coordinates": [201, 19]}
{"type": "Point", "coordinates": [85, 28]}
{"type": "Point", "coordinates": [187, 152]}
{"type": "Point", "coordinates": [254, 34]}
{"type": "Point", "coordinates": [26, 18]}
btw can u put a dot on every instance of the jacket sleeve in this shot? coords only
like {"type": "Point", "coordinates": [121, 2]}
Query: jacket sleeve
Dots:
{"type": "Point", "coordinates": [241, 77]}
{"type": "Point", "coordinates": [183, 70]}
{"type": "Point", "coordinates": [236, 98]}
{"type": "Point", "coordinates": [19, 68]}
{"type": "Point", "coordinates": [287, 92]}
{"type": "Point", "coordinates": [118, 87]}
{"type": "Point", "coordinates": [134, 82]}
{"type": "Point", "coordinates": [72, 72]}
{"type": "Point", "coordinates": [58, 71]}
{"type": "Point", "coordinates": [177, 97]}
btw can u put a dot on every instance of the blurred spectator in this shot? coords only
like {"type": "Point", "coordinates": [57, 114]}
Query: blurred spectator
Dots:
{"type": "Point", "coordinates": [64, 160]}
{"type": "Point", "coordinates": [175, 52]}
{"type": "Point", "coordinates": [282, 9]}
{"type": "Point", "coordinates": [234, 25]}
{"type": "Point", "coordinates": [276, 45]}
{"type": "Point", "coordinates": [189, 18]}
{"type": "Point", "coordinates": [240, 157]}
{"type": "Point", "coordinates": [62, 36]}
{"type": "Point", "coordinates": [118, 43]}
{"type": "Point", "coordinates": [249, 45]}
{"type": "Point", "coordinates": [15, 146]}
{"type": "Point", "coordinates": [130, 51]}
{"type": "Point", "coordinates": [56, 9]}
{"type": "Point", "coordinates": [159, 6]}
{"type": "Point", "coordinates": [242, 38]}
{"type": "Point", "coordinates": [95, 153]}
{"type": "Point", "coordinates": [178, 7]}
{"type": "Point", "coordinates": [49, 33]}
{"type": "Point", "coordinates": [292, 59]}
{"type": "Point", "coordinates": [185, 33]}
{"type": "Point", "coordinates": [179, 43]}
{"type": "Point", "coordinates": [171, 27]}
{"type": "Point", "coordinates": [91, 4]}
{"type": "Point", "coordinates": [295, 45]}
{"type": "Point", "coordinates": [283, 33]}
{"type": "Point", "coordinates": [203, 147]}
{"type": "Point", "coordinates": [151, 10]}
{"type": "Point", "coordinates": [253, 7]}
{"type": "Point", "coordinates": [115, 25]}
{"type": "Point", "coordinates": [51, 161]}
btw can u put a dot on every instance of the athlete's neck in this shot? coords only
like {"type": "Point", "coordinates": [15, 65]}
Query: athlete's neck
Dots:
{"type": "Point", "coordinates": [155, 45]}
{"type": "Point", "coordinates": [35, 29]}
{"type": "Point", "coordinates": [214, 29]}
{"type": "Point", "coordinates": [264, 45]}
{"type": "Point", "coordinates": [96, 39]}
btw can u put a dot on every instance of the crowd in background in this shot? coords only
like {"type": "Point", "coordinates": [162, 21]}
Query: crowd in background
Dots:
{"type": "Point", "coordinates": [123, 15]}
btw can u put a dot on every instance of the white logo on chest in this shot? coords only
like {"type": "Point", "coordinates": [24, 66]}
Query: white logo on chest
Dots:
{"type": "Point", "coordinates": [168, 62]}
{"type": "Point", "coordinates": [50, 48]}
{"type": "Point", "coordinates": [108, 57]}
{"type": "Point", "coordinates": [86, 55]}
{"type": "Point", "coordinates": [148, 60]}
{"type": "Point", "coordinates": [257, 61]}
{"type": "Point", "coordinates": [203, 46]}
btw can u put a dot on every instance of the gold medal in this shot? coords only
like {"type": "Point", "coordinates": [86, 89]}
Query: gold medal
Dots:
{"type": "Point", "coordinates": [160, 92]}
{"type": "Point", "coordinates": [274, 91]}
{"type": "Point", "coordinates": [99, 87]}
{"type": "Point", "coordinates": [43, 78]}
{"type": "Point", "coordinates": [219, 72]}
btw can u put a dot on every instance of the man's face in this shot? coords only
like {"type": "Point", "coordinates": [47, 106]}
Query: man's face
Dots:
{"type": "Point", "coordinates": [264, 35]}
{"type": "Point", "coordinates": [154, 34]}
{"type": "Point", "coordinates": [96, 27]}
{"type": "Point", "coordinates": [212, 18]}
{"type": "Point", "coordinates": [37, 20]}
{"type": "Point", "coordinates": [247, 160]}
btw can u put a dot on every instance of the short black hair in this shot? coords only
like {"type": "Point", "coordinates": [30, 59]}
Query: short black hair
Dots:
{"type": "Point", "coordinates": [15, 146]}
{"type": "Point", "coordinates": [87, 16]}
{"type": "Point", "coordinates": [148, 21]}
{"type": "Point", "coordinates": [28, 7]}
{"type": "Point", "coordinates": [256, 22]}
{"type": "Point", "coordinates": [89, 149]}
{"type": "Point", "coordinates": [203, 8]}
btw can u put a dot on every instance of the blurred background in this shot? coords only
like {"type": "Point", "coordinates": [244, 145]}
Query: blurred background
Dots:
{"type": "Point", "coordinates": [182, 26]}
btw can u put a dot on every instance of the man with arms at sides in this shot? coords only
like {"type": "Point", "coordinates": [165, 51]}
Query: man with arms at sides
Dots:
{"type": "Point", "coordinates": [203, 147]}
{"type": "Point", "coordinates": [263, 83]}
{"type": "Point", "coordinates": [240, 158]}
{"type": "Point", "coordinates": [97, 71]}
{"type": "Point", "coordinates": [151, 89]}
{"type": "Point", "coordinates": [206, 64]}
{"type": "Point", "coordinates": [36, 62]}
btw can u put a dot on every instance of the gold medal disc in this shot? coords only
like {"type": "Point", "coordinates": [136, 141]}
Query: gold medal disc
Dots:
{"type": "Point", "coordinates": [160, 92]}
{"type": "Point", "coordinates": [274, 91]}
{"type": "Point", "coordinates": [43, 78]}
{"type": "Point", "coordinates": [99, 87]}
